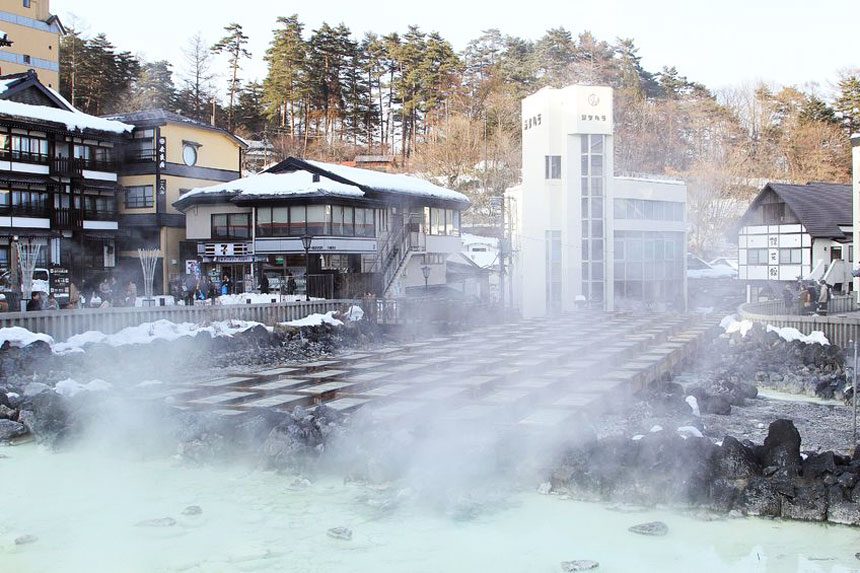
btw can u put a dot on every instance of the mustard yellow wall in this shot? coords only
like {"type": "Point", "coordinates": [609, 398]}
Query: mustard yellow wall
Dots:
{"type": "Point", "coordinates": [29, 41]}
{"type": "Point", "coordinates": [217, 150]}
{"type": "Point", "coordinates": [174, 184]}
{"type": "Point", "coordinates": [38, 10]}
{"type": "Point", "coordinates": [134, 181]}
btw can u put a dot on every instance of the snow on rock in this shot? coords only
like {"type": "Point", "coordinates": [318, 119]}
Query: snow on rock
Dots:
{"type": "Point", "coordinates": [694, 404]}
{"type": "Point", "coordinates": [690, 432]}
{"type": "Point", "coordinates": [731, 325]}
{"type": "Point", "coordinates": [147, 383]}
{"type": "Point", "coordinates": [316, 320]}
{"type": "Point", "coordinates": [69, 387]}
{"type": "Point", "coordinates": [789, 333]}
{"type": "Point", "coordinates": [656, 428]}
{"type": "Point", "coordinates": [20, 337]}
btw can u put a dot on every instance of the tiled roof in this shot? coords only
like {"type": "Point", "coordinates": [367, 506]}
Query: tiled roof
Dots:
{"type": "Point", "coordinates": [821, 207]}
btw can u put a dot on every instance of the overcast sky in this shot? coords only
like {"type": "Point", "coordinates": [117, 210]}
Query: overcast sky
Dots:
{"type": "Point", "coordinates": [720, 44]}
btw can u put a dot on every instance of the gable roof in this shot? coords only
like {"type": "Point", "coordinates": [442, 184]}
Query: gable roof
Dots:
{"type": "Point", "coordinates": [820, 207]}
{"type": "Point", "coordinates": [24, 96]}
{"type": "Point", "coordinates": [160, 116]}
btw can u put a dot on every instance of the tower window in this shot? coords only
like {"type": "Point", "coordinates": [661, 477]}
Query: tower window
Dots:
{"type": "Point", "coordinates": [552, 166]}
{"type": "Point", "coordinates": [26, 3]}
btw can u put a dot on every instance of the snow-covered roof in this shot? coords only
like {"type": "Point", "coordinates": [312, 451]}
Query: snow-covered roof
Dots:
{"type": "Point", "coordinates": [295, 178]}
{"type": "Point", "coordinates": [73, 119]}
{"type": "Point", "coordinates": [297, 183]}
{"type": "Point", "coordinates": [470, 239]}
{"type": "Point", "coordinates": [394, 182]}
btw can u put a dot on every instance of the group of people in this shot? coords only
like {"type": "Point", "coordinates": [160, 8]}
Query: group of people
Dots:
{"type": "Point", "coordinates": [809, 298]}
{"type": "Point", "coordinates": [201, 288]}
{"type": "Point", "coordinates": [110, 293]}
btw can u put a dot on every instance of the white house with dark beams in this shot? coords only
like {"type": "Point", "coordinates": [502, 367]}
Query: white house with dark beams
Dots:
{"type": "Point", "coordinates": [369, 231]}
{"type": "Point", "coordinates": [793, 232]}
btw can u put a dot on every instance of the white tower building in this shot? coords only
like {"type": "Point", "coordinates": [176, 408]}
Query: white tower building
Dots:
{"type": "Point", "coordinates": [579, 234]}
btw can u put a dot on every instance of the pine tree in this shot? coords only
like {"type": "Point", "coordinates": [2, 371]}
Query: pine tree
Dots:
{"type": "Point", "coordinates": [153, 89]}
{"type": "Point", "coordinates": [250, 112]}
{"type": "Point", "coordinates": [233, 44]}
{"type": "Point", "coordinates": [553, 55]}
{"type": "Point", "coordinates": [285, 86]}
{"type": "Point", "coordinates": [847, 104]}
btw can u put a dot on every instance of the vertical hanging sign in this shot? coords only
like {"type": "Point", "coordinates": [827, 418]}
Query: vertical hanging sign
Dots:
{"type": "Point", "coordinates": [160, 164]}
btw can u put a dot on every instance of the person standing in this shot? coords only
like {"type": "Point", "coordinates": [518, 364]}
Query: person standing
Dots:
{"type": "Point", "coordinates": [788, 298]}
{"type": "Point", "coordinates": [74, 296]}
{"type": "Point", "coordinates": [264, 283]}
{"type": "Point", "coordinates": [824, 296]}
{"type": "Point", "coordinates": [226, 285]}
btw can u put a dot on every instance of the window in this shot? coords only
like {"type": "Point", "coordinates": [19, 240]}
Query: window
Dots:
{"type": "Point", "coordinates": [645, 209]}
{"type": "Point", "coordinates": [790, 256]}
{"type": "Point", "coordinates": [142, 147]}
{"type": "Point", "coordinates": [26, 59]}
{"type": "Point", "coordinates": [231, 226]}
{"type": "Point", "coordinates": [26, 3]}
{"type": "Point", "coordinates": [139, 197]}
{"type": "Point", "coordinates": [319, 217]}
{"type": "Point", "coordinates": [298, 217]}
{"type": "Point", "coordinates": [552, 166]}
{"type": "Point", "coordinates": [364, 226]}
{"type": "Point", "coordinates": [189, 154]}
{"type": "Point", "coordinates": [756, 256]}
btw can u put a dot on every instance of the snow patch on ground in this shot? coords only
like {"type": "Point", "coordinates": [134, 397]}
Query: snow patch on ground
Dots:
{"type": "Point", "coordinates": [731, 325]}
{"type": "Point", "coordinates": [259, 298]}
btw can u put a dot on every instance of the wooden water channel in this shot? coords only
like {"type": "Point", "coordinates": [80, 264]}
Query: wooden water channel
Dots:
{"type": "Point", "coordinates": [532, 374]}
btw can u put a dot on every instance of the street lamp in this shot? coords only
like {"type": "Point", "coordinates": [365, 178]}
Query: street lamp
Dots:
{"type": "Point", "coordinates": [306, 243]}
{"type": "Point", "coordinates": [425, 270]}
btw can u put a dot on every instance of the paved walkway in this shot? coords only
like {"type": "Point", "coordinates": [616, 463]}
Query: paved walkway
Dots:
{"type": "Point", "coordinates": [532, 374]}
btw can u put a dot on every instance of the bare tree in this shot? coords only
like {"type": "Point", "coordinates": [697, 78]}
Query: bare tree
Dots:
{"type": "Point", "coordinates": [197, 76]}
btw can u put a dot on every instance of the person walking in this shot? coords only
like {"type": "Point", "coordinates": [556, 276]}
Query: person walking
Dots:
{"type": "Point", "coordinates": [264, 283]}
{"type": "Point", "coordinates": [74, 296]}
{"type": "Point", "coordinates": [191, 283]}
{"type": "Point", "coordinates": [824, 296]}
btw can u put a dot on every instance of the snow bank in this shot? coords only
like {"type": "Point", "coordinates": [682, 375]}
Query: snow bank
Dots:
{"type": "Point", "coordinates": [20, 337]}
{"type": "Point", "coordinates": [316, 320]}
{"type": "Point", "coordinates": [731, 325]}
{"type": "Point", "coordinates": [69, 387]}
{"type": "Point", "coordinates": [150, 331]}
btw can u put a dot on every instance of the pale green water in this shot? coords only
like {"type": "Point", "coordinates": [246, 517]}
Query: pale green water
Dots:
{"type": "Point", "coordinates": [83, 507]}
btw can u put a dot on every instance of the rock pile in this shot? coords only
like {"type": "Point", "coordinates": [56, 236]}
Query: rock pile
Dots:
{"type": "Point", "coordinates": [772, 479]}
{"type": "Point", "coordinates": [771, 361]}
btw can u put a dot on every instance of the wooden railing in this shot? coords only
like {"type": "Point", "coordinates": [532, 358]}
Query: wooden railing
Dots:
{"type": "Point", "coordinates": [840, 330]}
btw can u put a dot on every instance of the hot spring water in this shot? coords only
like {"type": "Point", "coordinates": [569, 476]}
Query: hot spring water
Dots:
{"type": "Point", "coordinates": [83, 507]}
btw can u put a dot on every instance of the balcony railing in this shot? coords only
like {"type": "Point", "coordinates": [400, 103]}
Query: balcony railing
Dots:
{"type": "Point", "coordinates": [66, 219]}
{"type": "Point", "coordinates": [23, 156]}
{"type": "Point", "coordinates": [139, 155]}
{"type": "Point", "coordinates": [74, 166]}
{"type": "Point", "coordinates": [34, 211]}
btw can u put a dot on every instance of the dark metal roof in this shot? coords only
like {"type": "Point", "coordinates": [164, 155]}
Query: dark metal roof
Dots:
{"type": "Point", "coordinates": [162, 116]}
{"type": "Point", "coordinates": [820, 207]}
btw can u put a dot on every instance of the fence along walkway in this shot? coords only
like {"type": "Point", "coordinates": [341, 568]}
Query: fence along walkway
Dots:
{"type": "Point", "coordinates": [840, 330]}
{"type": "Point", "coordinates": [61, 324]}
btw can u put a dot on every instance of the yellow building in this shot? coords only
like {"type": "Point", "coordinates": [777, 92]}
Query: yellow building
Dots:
{"type": "Point", "coordinates": [166, 155]}
{"type": "Point", "coordinates": [30, 39]}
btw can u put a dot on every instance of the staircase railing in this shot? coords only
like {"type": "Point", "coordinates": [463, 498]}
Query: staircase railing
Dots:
{"type": "Point", "coordinates": [395, 250]}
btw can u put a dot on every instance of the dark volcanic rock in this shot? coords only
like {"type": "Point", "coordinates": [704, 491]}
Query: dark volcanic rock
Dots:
{"type": "Point", "coordinates": [816, 465]}
{"type": "Point", "coordinates": [46, 416]}
{"type": "Point", "coordinates": [655, 528]}
{"type": "Point", "coordinates": [579, 565]}
{"type": "Point", "coordinates": [10, 429]}
{"type": "Point", "coordinates": [782, 448]}
{"type": "Point", "coordinates": [760, 497]}
{"type": "Point", "coordinates": [809, 502]}
{"type": "Point", "coordinates": [733, 460]}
